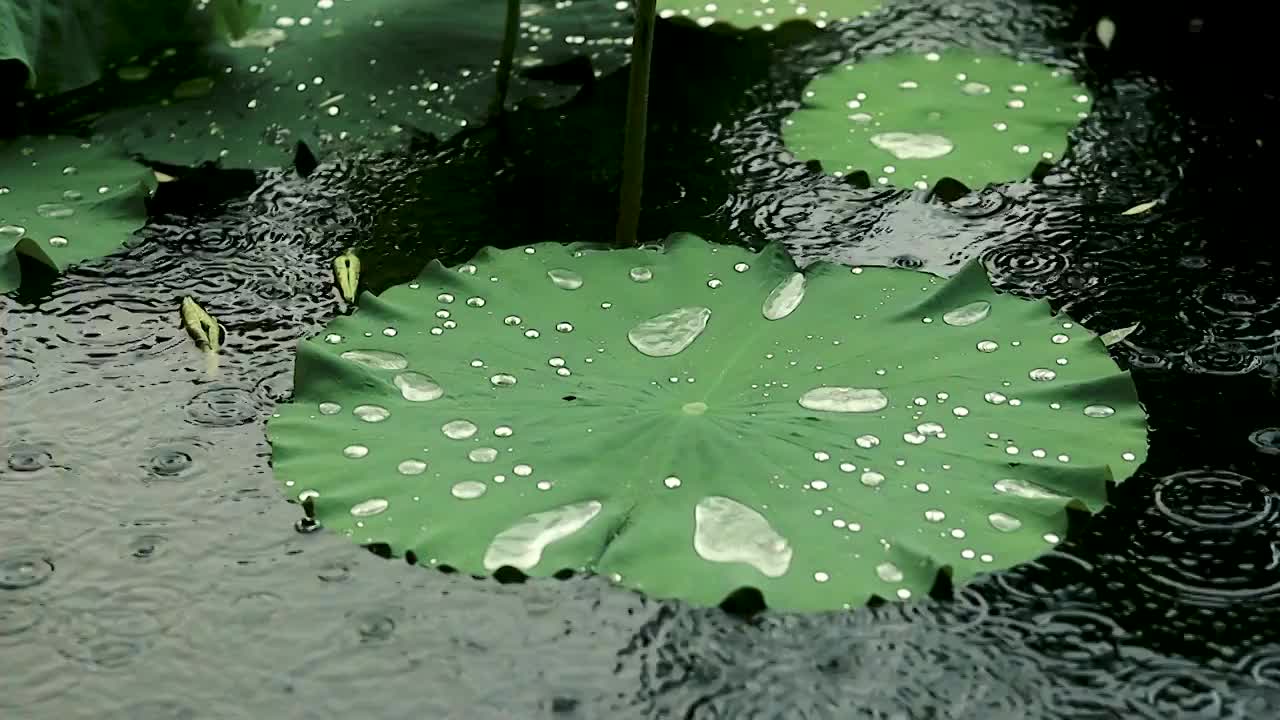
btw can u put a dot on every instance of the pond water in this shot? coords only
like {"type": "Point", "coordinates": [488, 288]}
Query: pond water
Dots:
{"type": "Point", "coordinates": [149, 566]}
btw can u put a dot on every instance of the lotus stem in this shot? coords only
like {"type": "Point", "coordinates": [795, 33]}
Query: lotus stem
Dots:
{"type": "Point", "coordinates": [637, 112]}
{"type": "Point", "coordinates": [507, 58]}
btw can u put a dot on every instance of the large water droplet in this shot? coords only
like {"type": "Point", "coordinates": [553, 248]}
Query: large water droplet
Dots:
{"type": "Point", "coordinates": [483, 455]}
{"type": "Point", "coordinates": [1026, 490]}
{"type": "Point", "coordinates": [503, 380]}
{"type": "Point", "coordinates": [889, 572]}
{"type": "Point", "coordinates": [844, 399]}
{"type": "Point", "coordinates": [871, 478]}
{"type": "Point", "coordinates": [1099, 411]}
{"type": "Point", "coordinates": [785, 298]}
{"type": "Point", "coordinates": [521, 545]}
{"type": "Point", "coordinates": [372, 506]}
{"type": "Point", "coordinates": [1004, 522]}
{"type": "Point", "coordinates": [54, 210]}
{"type": "Point", "coordinates": [459, 429]}
{"type": "Point", "coordinates": [670, 333]}
{"type": "Point", "coordinates": [641, 274]}
{"type": "Point", "coordinates": [965, 315]}
{"type": "Point", "coordinates": [866, 441]}
{"type": "Point", "coordinates": [377, 359]}
{"type": "Point", "coordinates": [371, 413]}
{"type": "Point", "coordinates": [565, 279]}
{"type": "Point", "coordinates": [1042, 374]}
{"type": "Point", "coordinates": [913, 146]}
{"type": "Point", "coordinates": [727, 531]}
{"type": "Point", "coordinates": [330, 408]}
{"type": "Point", "coordinates": [995, 398]}
{"type": "Point", "coordinates": [412, 466]}
{"type": "Point", "coordinates": [355, 451]}
{"type": "Point", "coordinates": [417, 387]}
{"type": "Point", "coordinates": [976, 88]}
{"type": "Point", "coordinates": [469, 489]}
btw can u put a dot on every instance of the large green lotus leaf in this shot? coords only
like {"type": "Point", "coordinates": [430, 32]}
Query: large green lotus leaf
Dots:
{"type": "Point", "coordinates": [64, 199]}
{"type": "Point", "coordinates": [765, 14]}
{"type": "Point", "coordinates": [697, 419]}
{"type": "Point", "coordinates": [350, 74]}
{"type": "Point", "coordinates": [911, 119]}
{"type": "Point", "coordinates": [67, 44]}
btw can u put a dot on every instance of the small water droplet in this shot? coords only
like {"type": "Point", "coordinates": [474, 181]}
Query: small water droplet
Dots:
{"type": "Point", "coordinates": [934, 515]}
{"type": "Point", "coordinates": [503, 380]}
{"type": "Point", "coordinates": [483, 455]}
{"type": "Point", "coordinates": [475, 302]}
{"type": "Point", "coordinates": [987, 346]}
{"type": "Point", "coordinates": [641, 274]}
{"type": "Point", "coordinates": [564, 327]}
{"type": "Point", "coordinates": [1042, 374]}
{"type": "Point", "coordinates": [871, 478]}
{"type": "Point", "coordinates": [512, 320]}
{"type": "Point", "coordinates": [867, 441]}
{"type": "Point", "coordinates": [889, 572]}
{"type": "Point", "coordinates": [532, 334]}
{"type": "Point", "coordinates": [976, 88]}
{"type": "Point", "coordinates": [502, 431]}
{"type": "Point", "coordinates": [355, 452]}
{"type": "Point", "coordinates": [445, 298]}
{"type": "Point", "coordinates": [330, 408]}
{"type": "Point", "coordinates": [960, 411]}
{"type": "Point", "coordinates": [1099, 411]}
{"type": "Point", "coordinates": [1059, 339]}
{"type": "Point", "coordinates": [333, 338]}
{"type": "Point", "coordinates": [523, 470]}
{"type": "Point", "coordinates": [58, 241]}
{"type": "Point", "coordinates": [914, 438]}
{"type": "Point", "coordinates": [468, 489]}
{"type": "Point", "coordinates": [672, 482]}
{"type": "Point", "coordinates": [818, 484]}
{"type": "Point", "coordinates": [459, 429]}
{"type": "Point", "coordinates": [913, 146]}
{"type": "Point", "coordinates": [741, 267]}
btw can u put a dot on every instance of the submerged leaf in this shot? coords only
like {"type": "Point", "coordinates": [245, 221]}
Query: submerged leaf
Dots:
{"type": "Point", "coordinates": [910, 120]}
{"type": "Point", "coordinates": [1141, 208]}
{"type": "Point", "coordinates": [201, 326]}
{"type": "Point", "coordinates": [346, 273]}
{"type": "Point", "coordinates": [695, 419]}
{"type": "Point", "coordinates": [64, 200]}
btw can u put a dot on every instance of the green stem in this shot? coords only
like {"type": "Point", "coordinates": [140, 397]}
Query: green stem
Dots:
{"type": "Point", "coordinates": [637, 111]}
{"type": "Point", "coordinates": [507, 58]}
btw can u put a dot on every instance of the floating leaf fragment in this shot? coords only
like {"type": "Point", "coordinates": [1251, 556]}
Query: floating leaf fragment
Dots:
{"type": "Point", "coordinates": [201, 326]}
{"type": "Point", "coordinates": [1114, 336]}
{"type": "Point", "coordinates": [346, 273]}
{"type": "Point", "coordinates": [1141, 208]}
{"type": "Point", "coordinates": [1106, 31]}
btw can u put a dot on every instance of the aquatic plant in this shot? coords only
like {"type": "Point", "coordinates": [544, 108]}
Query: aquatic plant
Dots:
{"type": "Point", "coordinates": [911, 119]}
{"type": "Point", "coordinates": [65, 199]}
{"type": "Point", "coordinates": [695, 419]}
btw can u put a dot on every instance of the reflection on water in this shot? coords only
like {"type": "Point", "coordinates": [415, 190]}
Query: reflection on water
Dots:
{"type": "Point", "coordinates": [148, 563]}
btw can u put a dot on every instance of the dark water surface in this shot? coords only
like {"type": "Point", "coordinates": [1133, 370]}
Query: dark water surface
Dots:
{"type": "Point", "coordinates": [149, 568]}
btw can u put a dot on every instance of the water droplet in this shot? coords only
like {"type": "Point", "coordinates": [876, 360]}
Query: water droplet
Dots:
{"type": "Point", "coordinates": [934, 515]}
{"type": "Point", "coordinates": [565, 279]}
{"type": "Point", "coordinates": [355, 452]}
{"type": "Point", "coordinates": [741, 267]}
{"type": "Point", "coordinates": [459, 429]}
{"type": "Point", "coordinates": [1099, 411]}
{"type": "Point", "coordinates": [54, 210]}
{"type": "Point", "coordinates": [58, 241]}
{"type": "Point", "coordinates": [372, 506]}
{"type": "Point", "coordinates": [670, 333]}
{"type": "Point", "coordinates": [1004, 522]}
{"type": "Point", "coordinates": [965, 315]}
{"type": "Point", "coordinates": [512, 320]}
{"type": "Point", "coordinates": [468, 489]}
{"type": "Point", "coordinates": [785, 297]}
{"type": "Point", "coordinates": [929, 428]}
{"type": "Point", "coordinates": [727, 531]}
{"type": "Point", "coordinates": [503, 380]}
{"type": "Point", "coordinates": [818, 484]}
{"type": "Point", "coordinates": [641, 274]}
{"type": "Point", "coordinates": [1026, 490]}
{"type": "Point", "coordinates": [914, 438]}
{"type": "Point", "coordinates": [871, 478]}
{"type": "Point", "coordinates": [714, 283]}
{"type": "Point", "coordinates": [371, 413]}
{"type": "Point", "coordinates": [483, 455]}
{"type": "Point", "coordinates": [523, 470]}
{"type": "Point", "coordinates": [672, 482]}
{"type": "Point", "coordinates": [412, 466]}
{"type": "Point", "coordinates": [867, 441]}
{"type": "Point", "coordinates": [694, 408]}
{"type": "Point", "coordinates": [913, 146]}
{"type": "Point", "coordinates": [976, 88]}
{"type": "Point", "coordinates": [889, 572]}
{"type": "Point", "coordinates": [389, 331]}
{"type": "Point", "coordinates": [416, 387]}
{"type": "Point", "coordinates": [445, 298]}
{"type": "Point", "coordinates": [502, 431]}
{"type": "Point", "coordinates": [521, 545]}
{"type": "Point", "coordinates": [564, 327]}
{"type": "Point", "coordinates": [330, 408]}
{"type": "Point", "coordinates": [532, 334]}
{"type": "Point", "coordinates": [475, 302]}
{"type": "Point", "coordinates": [960, 411]}
{"type": "Point", "coordinates": [1059, 339]}
{"type": "Point", "coordinates": [333, 338]}
{"type": "Point", "coordinates": [1042, 375]}
{"type": "Point", "coordinates": [377, 359]}
{"type": "Point", "coordinates": [987, 346]}
{"type": "Point", "coordinates": [12, 232]}
{"type": "Point", "coordinates": [995, 398]}
{"type": "Point", "coordinates": [844, 399]}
